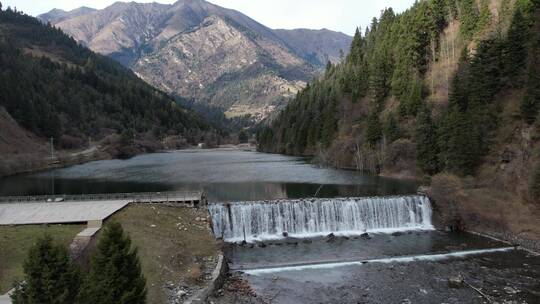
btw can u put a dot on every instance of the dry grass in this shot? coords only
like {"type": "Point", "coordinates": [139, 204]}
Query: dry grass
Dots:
{"type": "Point", "coordinates": [484, 209]}
{"type": "Point", "coordinates": [501, 211]}
{"type": "Point", "coordinates": [15, 242]}
{"type": "Point", "coordinates": [172, 245]}
{"type": "Point", "coordinates": [16, 140]}
{"type": "Point", "coordinates": [194, 273]}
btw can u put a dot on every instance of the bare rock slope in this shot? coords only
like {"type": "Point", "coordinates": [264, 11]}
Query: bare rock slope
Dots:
{"type": "Point", "coordinates": [204, 52]}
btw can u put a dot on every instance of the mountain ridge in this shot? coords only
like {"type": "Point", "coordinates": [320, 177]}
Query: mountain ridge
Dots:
{"type": "Point", "coordinates": [153, 39]}
{"type": "Point", "coordinates": [57, 15]}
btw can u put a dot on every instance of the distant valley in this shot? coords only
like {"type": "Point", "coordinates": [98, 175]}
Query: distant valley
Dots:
{"type": "Point", "coordinates": [210, 55]}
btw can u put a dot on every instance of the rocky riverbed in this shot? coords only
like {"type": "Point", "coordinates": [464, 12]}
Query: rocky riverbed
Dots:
{"type": "Point", "coordinates": [497, 277]}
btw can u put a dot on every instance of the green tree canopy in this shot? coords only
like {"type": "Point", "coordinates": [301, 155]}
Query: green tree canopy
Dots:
{"type": "Point", "coordinates": [49, 275]}
{"type": "Point", "coordinates": [427, 149]}
{"type": "Point", "coordinates": [373, 130]}
{"type": "Point", "coordinates": [115, 275]}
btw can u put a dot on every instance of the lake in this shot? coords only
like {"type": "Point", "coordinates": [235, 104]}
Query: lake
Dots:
{"type": "Point", "coordinates": [225, 175]}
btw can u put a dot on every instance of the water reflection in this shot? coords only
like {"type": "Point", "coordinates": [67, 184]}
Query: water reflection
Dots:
{"type": "Point", "coordinates": [223, 175]}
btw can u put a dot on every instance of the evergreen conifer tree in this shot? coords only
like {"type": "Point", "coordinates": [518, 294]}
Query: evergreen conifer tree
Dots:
{"type": "Point", "coordinates": [426, 142]}
{"type": "Point", "coordinates": [329, 126]}
{"type": "Point", "coordinates": [373, 130]}
{"type": "Point", "coordinates": [438, 13]}
{"type": "Point", "coordinates": [530, 105]}
{"type": "Point", "coordinates": [355, 54]}
{"type": "Point", "coordinates": [484, 17]}
{"type": "Point", "coordinates": [49, 276]}
{"type": "Point", "coordinates": [115, 275]}
{"type": "Point", "coordinates": [468, 17]}
{"type": "Point", "coordinates": [329, 67]}
{"type": "Point", "coordinates": [415, 98]}
{"type": "Point", "coordinates": [391, 129]}
{"type": "Point", "coordinates": [515, 48]}
{"type": "Point", "coordinates": [459, 142]}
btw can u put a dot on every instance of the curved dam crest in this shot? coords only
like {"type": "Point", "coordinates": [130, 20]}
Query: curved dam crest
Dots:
{"type": "Point", "coordinates": [264, 220]}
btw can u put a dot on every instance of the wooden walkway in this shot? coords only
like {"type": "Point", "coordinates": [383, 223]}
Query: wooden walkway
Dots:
{"type": "Point", "coordinates": [61, 209]}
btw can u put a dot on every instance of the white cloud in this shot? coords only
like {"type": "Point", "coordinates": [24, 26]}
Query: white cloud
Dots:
{"type": "Point", "coordinates": [340, 15]}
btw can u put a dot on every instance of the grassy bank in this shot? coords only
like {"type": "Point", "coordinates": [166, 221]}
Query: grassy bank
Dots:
{"type": "Point", "coordinates": [15, 242]}
{"type": "Point", "coordinates": [174, 245]}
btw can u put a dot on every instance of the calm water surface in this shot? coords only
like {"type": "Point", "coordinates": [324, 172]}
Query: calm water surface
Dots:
{"type": "Point", "coordinates": [224, 175]}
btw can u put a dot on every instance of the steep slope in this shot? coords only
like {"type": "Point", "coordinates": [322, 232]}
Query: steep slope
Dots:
{"type": "Point", "coordinates": [119, 31]}
{"type": "Point", "coordinates": [446, 92]}
{"type": "Point", "coordinates": [180, 48]}
{"type": "Point", "coordinates": [316, 46]}
{"type": "Point", "coordinates": [17, 140]}
{"type": "Point", "coordinates": [219, 63]}
{"type": "Point", "coordinates": [57, 15]}
{"type": "Point", "coordinates": [53, 87]}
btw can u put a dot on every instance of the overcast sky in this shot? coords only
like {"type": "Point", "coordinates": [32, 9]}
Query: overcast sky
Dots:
{"type": "Point", "coordinates": [338, 15]}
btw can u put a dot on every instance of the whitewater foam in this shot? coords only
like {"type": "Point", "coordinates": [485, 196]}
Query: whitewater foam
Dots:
{"type": "Point", "coordinates": [267, 220]}
{"type": "Point", "coordinates": [403, 259]}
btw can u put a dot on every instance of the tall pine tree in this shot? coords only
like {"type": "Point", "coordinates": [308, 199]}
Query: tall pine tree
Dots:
{"type": "Point", "coordinates": [515, 55]}
{"type": "Point", "coordinates": [530, 105]}
{"type": "Point", "coordinates": [391, 130]}
{"type": "Point", "coordinates": [426, 143]}
{"type": "Point", "coordinates": [49, 275]}
{"type": "Point", "coordinates": [115, 275]}
{"type": "Point", "coordinates": [373, 129]}
{"type": "Point", "coordinates": [355, 54]}
{"type": "Point", "coordinates": [459, 142]}
{"type": "Point", "coordinates": [468, 17]}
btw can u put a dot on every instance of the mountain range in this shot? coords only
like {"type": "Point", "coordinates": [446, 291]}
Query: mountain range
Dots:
{"type": "Point", "coordinates": [205, 53]}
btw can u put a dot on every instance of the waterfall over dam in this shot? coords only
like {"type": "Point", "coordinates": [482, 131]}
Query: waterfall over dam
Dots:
{"type": "Point", "coordinates": [316, 217]}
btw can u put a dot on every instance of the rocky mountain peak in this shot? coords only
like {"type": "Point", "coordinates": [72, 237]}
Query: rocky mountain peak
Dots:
{"type": "Point", "coordinates": [57, 15]}
{"type": "Point", "coordinates": [201, 51]}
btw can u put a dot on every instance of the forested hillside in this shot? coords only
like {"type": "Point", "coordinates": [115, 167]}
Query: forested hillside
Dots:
{"type": "Point", "coordinates": [448, 88]}
{"type": "Point", "coordinates": [56, 88]}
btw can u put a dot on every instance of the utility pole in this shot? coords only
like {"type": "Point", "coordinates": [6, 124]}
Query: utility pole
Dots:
{"type": "Point", "coordinates": [52, 148]}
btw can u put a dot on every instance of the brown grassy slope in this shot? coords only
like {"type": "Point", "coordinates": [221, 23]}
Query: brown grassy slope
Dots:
{"type": "Point", "coordinates": [20, 149]}
{"type": "Point", "coordinates": [458, 203]}
{"type": "Point", "coordinates": [16, 140]}
{"type": "Point", "coordinates": [174, 248]}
